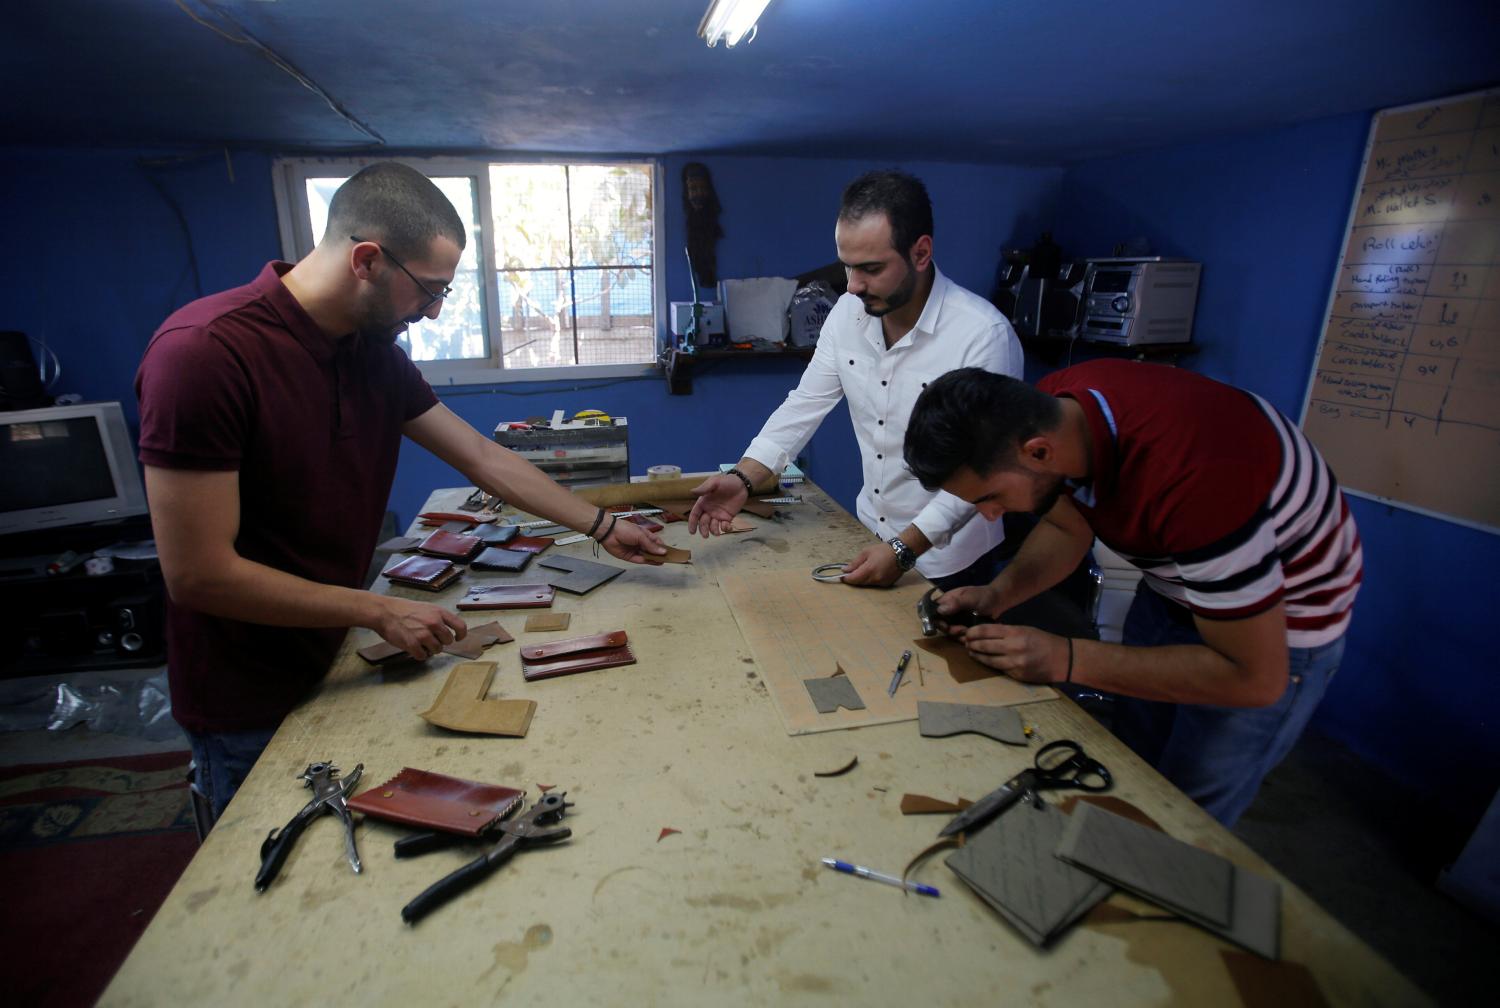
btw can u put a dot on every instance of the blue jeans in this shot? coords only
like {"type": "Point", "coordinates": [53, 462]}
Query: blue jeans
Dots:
{"type": "Point", "coordinates": [1216, 755]}
{"type": "Point", "coordinates": [222, 761]}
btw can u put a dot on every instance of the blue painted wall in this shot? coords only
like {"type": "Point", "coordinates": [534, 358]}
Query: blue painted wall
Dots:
{"type": "Point", "coordinates": [1266, 213]}
{"type": "Point", "coordinates": [107, 258]}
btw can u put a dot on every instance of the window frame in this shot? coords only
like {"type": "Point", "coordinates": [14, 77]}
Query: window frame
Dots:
{"type": "Point", "coordinates": [289, 181]}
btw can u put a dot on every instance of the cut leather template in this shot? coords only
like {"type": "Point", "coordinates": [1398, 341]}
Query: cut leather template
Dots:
{"type": "Point", "coordinates": [1002, 724]}
{"type": "Point", "coordinates": [437, 801]}
{"type": "Point", "coordinates": [1204, 888]}
{"type": "Point", "coordinates": [539, 622]}
{"type": "Point", "coordinates": [832, 692]}
{"type": "Point", "coordinates": [799, 629]}
{"type": "Point", "coordinates": [450, 545]}
{"type": "Point", "coordinates": [477, 639]}
{"type": "Point", "coordinates": [1010, 864]}
{"type": "Point", "coordinates": [962, 667]}
{"type": "Point", "coordinates": [576, 575]}
{"type": "Point", "coordinates": [425, 572]}
{"type": "Point", "coordinates": [498, 558]}
{"type": "Point", "coordinates": [576, 654]}
{"type": "Point", "coordinates": [503, 595]}
{"type": "Point", "coordinates": [461, 704]}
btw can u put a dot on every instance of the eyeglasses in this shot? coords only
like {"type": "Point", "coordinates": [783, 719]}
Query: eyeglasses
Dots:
{"type": "Point", "coordinates": [431, 297]}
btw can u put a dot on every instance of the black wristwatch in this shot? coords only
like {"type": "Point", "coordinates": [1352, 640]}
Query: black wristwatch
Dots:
{"type": "Point", "coordinates": [905, 558]}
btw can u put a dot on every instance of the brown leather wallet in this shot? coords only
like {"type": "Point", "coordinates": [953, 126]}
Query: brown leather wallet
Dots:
{"type": "Point", "coordinates": [507, 596]}
{"type": "Point", "coordinates": [529, 544]}
{"type": "Point", "coordinates": [451, 545]}
{"type": "Point", "coordinates": [463, 516]}
{"type": "Point", "coordinates": [437, 801]}
{"type": "Point", "coordinates": [427, 573]}
{"type": "Point", "coordinates": [576, 654]}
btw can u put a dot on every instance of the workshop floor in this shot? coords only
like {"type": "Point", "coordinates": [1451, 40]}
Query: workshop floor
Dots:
{"type": "Point", "coordinates": [1329, 822]}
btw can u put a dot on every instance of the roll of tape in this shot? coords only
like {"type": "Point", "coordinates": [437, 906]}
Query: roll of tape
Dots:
{"type": "Point", "coordinates": [662, 472]}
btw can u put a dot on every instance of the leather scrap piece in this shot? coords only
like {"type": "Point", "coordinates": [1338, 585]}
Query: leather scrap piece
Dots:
{"type": "Point", "coordinates": [853, 762]}
{"type": "Point", "coordinates": [461, 705]}
{"type": "Point", "coordinates": [538, 622]}
{"type": "Point", "coordinates": [920, 804]}
{"type": "Point", "coordinates": [832, 692]}
{"type": "Point", "coordinates": [1003, 724]}
{"type": "Point", "coordinates": [477, 639]}
{"type": "Point", "coordinates": [1264, 984]}
{"type": "Point", "coordinates": [384, 653]}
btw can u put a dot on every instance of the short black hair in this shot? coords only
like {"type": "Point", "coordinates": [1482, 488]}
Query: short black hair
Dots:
{"type": "Point", "coordinates": [396, 205]}
{"type": "Point", "coordinates": [975, 418]}
{"type": "Point", "coordinates": [901, 197]}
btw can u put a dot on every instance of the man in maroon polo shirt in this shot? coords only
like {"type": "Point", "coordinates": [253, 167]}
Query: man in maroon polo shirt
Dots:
{"type": "Point", "coordinates": [271, 419]}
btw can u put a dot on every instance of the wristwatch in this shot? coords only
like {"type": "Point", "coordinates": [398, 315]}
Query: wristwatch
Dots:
{"type": "Point", "coordinates": [905, 558]}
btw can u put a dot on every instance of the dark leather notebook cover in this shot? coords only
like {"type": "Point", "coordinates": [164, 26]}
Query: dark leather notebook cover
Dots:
{"type": "Point", "coordinates": [507, 596]}
{"type": "Point", "coordinates": [497, 558]}
{"type": "Point", "coordinates": [576, 654]}
{"type": "Point", "coordinates": [452, 545]}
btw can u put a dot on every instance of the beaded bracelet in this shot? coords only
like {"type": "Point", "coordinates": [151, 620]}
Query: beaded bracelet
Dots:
{"type": "Point", "coordinates": [749, 487]}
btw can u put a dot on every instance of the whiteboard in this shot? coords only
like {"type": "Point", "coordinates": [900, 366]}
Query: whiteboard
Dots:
{"type": "Point", "coordinates": [1404, 398]}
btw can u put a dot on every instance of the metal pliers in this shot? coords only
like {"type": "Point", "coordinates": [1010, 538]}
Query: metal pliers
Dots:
{"type": "Point", "coordinates": [534, 826]}
{"type": "Point", "coordinates": [329, 795]}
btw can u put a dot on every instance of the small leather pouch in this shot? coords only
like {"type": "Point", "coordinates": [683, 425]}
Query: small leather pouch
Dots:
{"type": "Point", "coordinates": [427, 573]}
{"type": "Point", "coordinates": [529, 544]}
{"type": "Point", "coordinates": [436, 801]}
{"type": "Point", "coordinates": [507, 596]}
{"type": "Point", "coordinates": [495, 535]}
{"type": "Point", "coordinates": [576, 654]}
{"type": "Point", "coordinates": [450, 545]}
{"type": "Point", "coordinates": [498, 558]}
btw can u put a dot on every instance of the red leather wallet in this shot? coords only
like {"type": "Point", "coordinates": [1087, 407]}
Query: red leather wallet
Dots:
{"type": "Point", "coordinates": [576, 654]}
{"type": "Point", "coordinates": [427, 573]}
{"type": "Point", "coordinates": [507, 596]}
{"type": "Point", "coordinates": [451, 545]}
{"type": "Point", "coordinates": [436, 801]}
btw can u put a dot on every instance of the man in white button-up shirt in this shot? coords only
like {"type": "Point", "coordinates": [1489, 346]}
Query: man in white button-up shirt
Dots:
{"type": "Point", "coordinates": [901, 325]}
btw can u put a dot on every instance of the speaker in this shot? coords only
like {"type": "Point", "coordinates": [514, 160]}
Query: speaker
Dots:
{"type": "Point", "coordinates": [135, 622]}
{"type": "Point", "coordinates": [20, 382]}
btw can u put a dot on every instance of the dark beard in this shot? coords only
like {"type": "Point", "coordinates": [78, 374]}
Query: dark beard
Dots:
{"type": "Point", "coordinates": [1051, 496]}
{"type": "Point", "coordinates": [898, 297]}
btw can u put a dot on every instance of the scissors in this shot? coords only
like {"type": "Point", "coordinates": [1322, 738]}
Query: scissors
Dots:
{"type": "Point", "coordinates": [1060, 764]}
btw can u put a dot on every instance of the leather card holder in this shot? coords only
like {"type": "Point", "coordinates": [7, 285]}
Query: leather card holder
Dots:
{"type": "Point", "coordinates": [450, 545]}
{"type": "Point", "coordinates": [427, 573]}
{"type": "Point", "coordinates": [529, 544]}
{"type": "Point", "coordinates": [506, 596]}
{"type": "Point", "coordinates": [498, 558]}
{"type": "Point", "coordinates": [576, 654]}
{"type": "Point", "coordinates": [495, 535]}
{"type": "Point", "coordinates": [437, 801]}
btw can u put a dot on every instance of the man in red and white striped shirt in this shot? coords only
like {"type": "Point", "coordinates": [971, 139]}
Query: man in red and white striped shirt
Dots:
{"type": "Point", "coordinates": [1250, 557]}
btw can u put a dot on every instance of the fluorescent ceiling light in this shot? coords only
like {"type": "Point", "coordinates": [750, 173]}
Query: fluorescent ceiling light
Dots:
{"type": "Point", "coordinates": [729, 20]}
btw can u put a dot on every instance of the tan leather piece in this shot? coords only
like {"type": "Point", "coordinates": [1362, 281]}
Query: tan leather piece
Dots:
{"type": "Point", "coordinates": [437, 801]}
{"type": "Point", "coordinates": [920, 804]}
{"type": "Point", "coordinates": [672, 555]}
{"type": "Point", "coordinates": [477, 639]}
{"type": "Point", "coordinates": [461, 705]}
{"type": "Point", "coordinates": [548, 621]}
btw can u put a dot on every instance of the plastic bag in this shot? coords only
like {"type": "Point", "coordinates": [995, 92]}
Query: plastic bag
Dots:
{"type": "Point", "coordinates": [139, 708]}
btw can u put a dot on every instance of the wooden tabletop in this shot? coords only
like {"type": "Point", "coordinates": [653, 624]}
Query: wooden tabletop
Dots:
{"type": "Point", "coordinates": [735, 908]}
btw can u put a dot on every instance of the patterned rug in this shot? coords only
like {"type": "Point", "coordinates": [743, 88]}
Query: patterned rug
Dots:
{"type": "Point", "coordinates": [88, 852]}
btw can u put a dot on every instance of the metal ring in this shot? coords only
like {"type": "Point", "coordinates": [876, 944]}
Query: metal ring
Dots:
{"type": "Point", "coordinates": [820, 573]}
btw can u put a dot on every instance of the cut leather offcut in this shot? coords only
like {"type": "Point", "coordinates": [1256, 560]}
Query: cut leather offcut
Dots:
{"type": "Point", "coordinates": [832, 692]}
{"type": "Point", "coordinates": [1003, 724]}
{"type": "Point", "coordinates": [577, 576]}
{"type": "Point", "coordinates": [437, 801]}
{"type": "Point", "coordinates": [461, 704]}
{"type": "Point", "coordinates": [424, 572]}
{"type": "Point", "coordinates": [503, 595]}
{"type": "Point", "coordinates": [540, 622]}
{"type": "Point", "coordinates": [920, 804]}
{"type": "Point", "coordinates": [673, 555]}
{"type": "Point", "coordinates": [477, 639]}
{"type": "Point", "coordinates": [576, 654]}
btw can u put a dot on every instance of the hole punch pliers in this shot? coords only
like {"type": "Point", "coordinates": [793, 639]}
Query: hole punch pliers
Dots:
{"type": "Point", "coordinates": [329, 795]}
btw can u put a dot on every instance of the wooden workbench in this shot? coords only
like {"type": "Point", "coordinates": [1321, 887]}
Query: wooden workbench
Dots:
{"type": "Point", "coordinates": [734, 909]}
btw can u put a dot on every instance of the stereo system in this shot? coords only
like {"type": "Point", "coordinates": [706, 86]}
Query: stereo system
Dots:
{"type": "Point", "coordinates": [1133, 301]}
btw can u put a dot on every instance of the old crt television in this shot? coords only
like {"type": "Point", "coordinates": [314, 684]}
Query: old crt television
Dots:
{"type": "Point", "coordinates": [67, 465]}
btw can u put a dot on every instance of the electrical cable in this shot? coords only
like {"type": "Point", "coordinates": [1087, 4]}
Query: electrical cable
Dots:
{"type": "Point", "coordinates": [245, 38]}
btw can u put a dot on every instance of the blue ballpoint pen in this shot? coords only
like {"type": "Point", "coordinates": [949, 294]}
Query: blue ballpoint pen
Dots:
{"type": "Point", "coordinates": [870, 873]}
